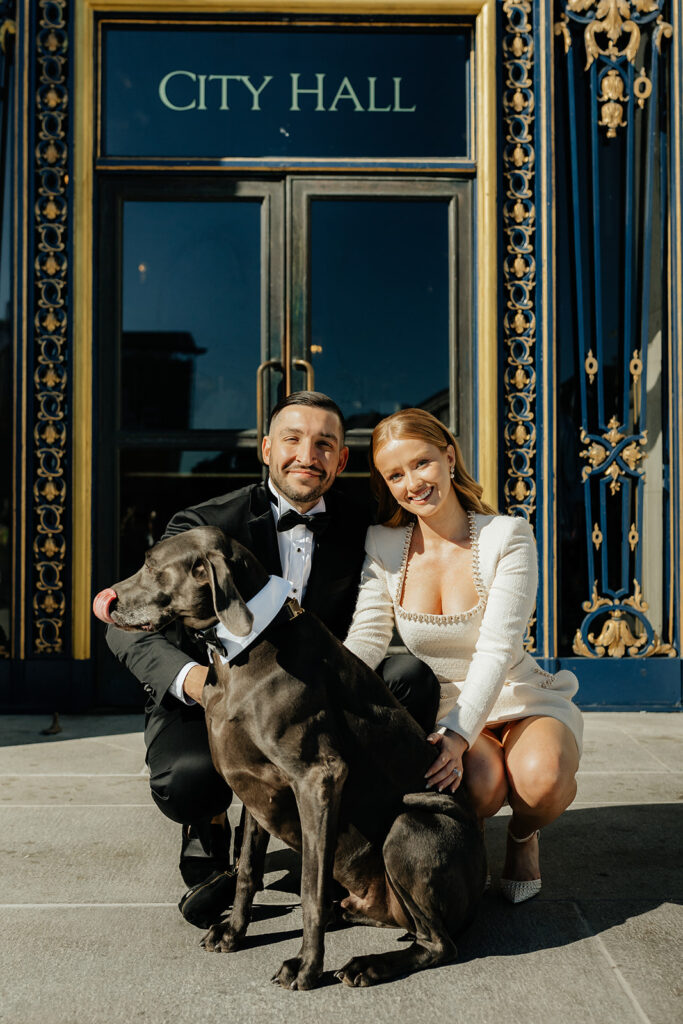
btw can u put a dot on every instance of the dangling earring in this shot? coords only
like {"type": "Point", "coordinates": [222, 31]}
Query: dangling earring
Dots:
{"type": "Point", "coordinates": [452, 472]}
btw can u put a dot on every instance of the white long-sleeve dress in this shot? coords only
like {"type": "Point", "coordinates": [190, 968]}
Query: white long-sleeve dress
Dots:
{"type": "Point", "coordinates": [478, 656]}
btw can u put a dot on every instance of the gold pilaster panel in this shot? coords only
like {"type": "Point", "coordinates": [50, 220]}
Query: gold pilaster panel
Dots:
{"type": "Point", "coordinates": [519, 213]}
{"type": "Point", "coordinates": [50, 282]}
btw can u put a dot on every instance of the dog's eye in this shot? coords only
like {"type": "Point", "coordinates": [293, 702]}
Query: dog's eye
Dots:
{"type": "Point", "coordinates": [199, 570]}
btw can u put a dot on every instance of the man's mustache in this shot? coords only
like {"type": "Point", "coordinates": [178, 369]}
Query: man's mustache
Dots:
{"type": "Point", "coordinates": [309, 469]}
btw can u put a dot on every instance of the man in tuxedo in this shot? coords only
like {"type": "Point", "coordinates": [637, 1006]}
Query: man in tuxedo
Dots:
{"type": "Point", "coordinates": [304, 530]}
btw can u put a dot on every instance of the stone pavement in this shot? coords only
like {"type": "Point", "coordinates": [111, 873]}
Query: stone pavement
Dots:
{"type": "Point", "coordinates": [91, 934]}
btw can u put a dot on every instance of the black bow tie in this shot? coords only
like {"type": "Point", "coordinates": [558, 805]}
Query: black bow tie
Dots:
{"type": "Point", "coordinates": [291, 518]}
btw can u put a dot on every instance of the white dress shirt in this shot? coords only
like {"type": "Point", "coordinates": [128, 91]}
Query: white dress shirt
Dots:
{"type": "Point", "coordinates": [296, 548]}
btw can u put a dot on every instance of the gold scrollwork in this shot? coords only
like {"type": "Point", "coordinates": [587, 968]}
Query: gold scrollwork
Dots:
{"type": "Point", "coordinates": [595, 601]}
{"type": "Point", "coordinates": [597, 538]}
{"type": "Point", "coordinates": [579, 647]}
{"type": "Point", "coordinates": [612, 21]}
{"type": "Point", "coordinates": [562, 29]}
{"type": "Point", "coordinates": [51, 326]}
{"type": "Point", "coordinates": [642, 88]}
{"type": "Point", "coordinates": [8, 28]}
{"type": "Point", "coordinates": [663, 30]}
{"type": "Point", "coordinates": [598, 452]}
{"type": "Point", "coordinates": [519, 267]}
{"type": "Point", "coordinates": [591, 365]}
{"type": "Point", "coordinates": [616, 638]}
{"type": "Point", "coordinates": [636, 365]}
{"type": "Point", "coordinates": [612, 97]}
{"type": "Point", "coordinates": [633, 537]}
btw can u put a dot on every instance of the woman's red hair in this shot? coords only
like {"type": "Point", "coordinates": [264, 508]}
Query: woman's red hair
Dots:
{"type": "Point", "coordinates": [420, 425]}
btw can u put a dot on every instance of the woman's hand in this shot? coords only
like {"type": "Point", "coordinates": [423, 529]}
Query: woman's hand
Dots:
{"type": "Point", "coordinates": [446, 772]}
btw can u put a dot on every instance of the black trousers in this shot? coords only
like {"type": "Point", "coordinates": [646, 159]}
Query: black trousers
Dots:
{"type": "Point", "coordinates": [185, 785]}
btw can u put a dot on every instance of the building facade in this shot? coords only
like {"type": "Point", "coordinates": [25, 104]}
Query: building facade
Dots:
{"type": "Point", "coordinates": [472, 206]}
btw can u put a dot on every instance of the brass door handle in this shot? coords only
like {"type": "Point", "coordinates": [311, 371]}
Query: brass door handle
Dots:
{"type": "Point", "coordinates": [262, 426]}
{"type": "Point", "coordinates": [303, 364]}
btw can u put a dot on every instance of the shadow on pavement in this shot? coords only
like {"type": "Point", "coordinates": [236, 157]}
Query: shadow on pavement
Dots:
{"type": "Point", "coordinates": [623, 861]}
{"type": "Point", "coordinates": [21, 730]}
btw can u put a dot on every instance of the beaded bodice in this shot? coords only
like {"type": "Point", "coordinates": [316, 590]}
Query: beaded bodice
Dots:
{"type": "Point", "coordinates": [449, 647]}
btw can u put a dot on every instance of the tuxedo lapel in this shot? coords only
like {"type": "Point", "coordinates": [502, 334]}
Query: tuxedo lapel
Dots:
{"type": "Point", "coordinates": [329, 557]}
{"type": "Point", "coordinates": [260, 527]}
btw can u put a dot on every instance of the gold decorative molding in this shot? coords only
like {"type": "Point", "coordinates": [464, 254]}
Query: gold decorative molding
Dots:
{"type": "Point", "coordinates": [50, 282]}
{"type": "Point", "coordinates": [591, 365]}
{"type": "Point", "coordinates": [612, 33]}
{"type": "Point", "coordinates": [662, 30]}
{"type": "Point", "coordinates": [612, 454]}
{"type": "Point", "coordinates": [613, 98]}
{"type": "Point", "coordinates": [636, 366]}
{"type": "Point", "coordinates": [519, 268]}
{"type": "Point", "coordinates": [562, 29]}
{"type": "Point", "coordinates": [616, 637]}
{"type": "Point", "coordinates": [642, 88]}
{"type": "Point", "coordinates": [7, 28]}
{"type": "Point", "coordinates": [613, 20]}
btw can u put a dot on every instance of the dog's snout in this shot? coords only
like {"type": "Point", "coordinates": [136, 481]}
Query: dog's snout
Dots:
{"type": "Point", "coordinates": [103, 604]}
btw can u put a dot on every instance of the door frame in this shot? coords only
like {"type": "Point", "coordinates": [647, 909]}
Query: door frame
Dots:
{"type": "Point", "coordinates": [483, 171]}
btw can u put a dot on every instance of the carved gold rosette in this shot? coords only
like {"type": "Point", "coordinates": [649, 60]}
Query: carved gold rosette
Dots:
{"type": "Point", "coordinates": [519, 213]}
{"type": "Point", "coordinates": [50, 325]}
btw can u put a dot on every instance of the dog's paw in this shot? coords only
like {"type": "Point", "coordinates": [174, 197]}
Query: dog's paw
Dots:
{"type": "Point", "coordinates": [354, 974]}
{"type": "Point", "coordinates": [295, 975]}
{"type": "Point", "coordinates": [220, 938]}
{"type": "Point", "coordinates": [360, 972]}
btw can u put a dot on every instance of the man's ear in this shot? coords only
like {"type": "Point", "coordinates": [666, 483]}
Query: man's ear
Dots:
{"type": "Point", "coordinates": [265, 450]}
{"type": "Point", "coordinates": [343, 459]}
{"type": "Point", "coordinates": [229, 606]}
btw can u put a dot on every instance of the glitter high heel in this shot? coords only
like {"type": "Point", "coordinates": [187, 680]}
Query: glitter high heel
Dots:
{"type": "Point", "coordinates": [516, 891]}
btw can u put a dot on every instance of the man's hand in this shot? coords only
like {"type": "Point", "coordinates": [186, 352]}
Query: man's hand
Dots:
{"type": "Point", "coordinates": [193, 684]}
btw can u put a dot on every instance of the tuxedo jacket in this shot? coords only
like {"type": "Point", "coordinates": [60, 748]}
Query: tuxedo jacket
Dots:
{"type": "Point", "coordinates": [245, 515]}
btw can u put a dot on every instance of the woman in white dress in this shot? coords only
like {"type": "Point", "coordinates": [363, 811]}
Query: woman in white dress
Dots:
{"type": "Point", "coordinates": [459, 584]}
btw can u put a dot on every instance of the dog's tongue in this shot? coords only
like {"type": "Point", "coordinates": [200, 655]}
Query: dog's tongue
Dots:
{"type": "Point", "coordinates": [102, 603]}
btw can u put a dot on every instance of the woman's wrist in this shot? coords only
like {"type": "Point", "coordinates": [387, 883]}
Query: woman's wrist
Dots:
{"type": "Point", "coordinates": [455, 736]}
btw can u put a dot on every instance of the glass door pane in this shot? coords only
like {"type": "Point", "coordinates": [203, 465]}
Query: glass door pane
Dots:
{"type": "Point", "coordinates": [191, 315]}
{"type": "Point", "coordinates": [381, 298]}
{"type": "Point", "coordinates": [191, 306]}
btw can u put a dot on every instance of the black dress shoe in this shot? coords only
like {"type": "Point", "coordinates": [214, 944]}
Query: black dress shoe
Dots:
{"type": "Point", "coordinates": [205, 903]}
{"type": "Point", "coordinates": [205, 850]}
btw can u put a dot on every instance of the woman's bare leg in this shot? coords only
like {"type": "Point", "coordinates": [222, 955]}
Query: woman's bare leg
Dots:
{"type": "Point", "coordinates": [541, 760]}
{"type": "Point", "coordinates": [484, 774]}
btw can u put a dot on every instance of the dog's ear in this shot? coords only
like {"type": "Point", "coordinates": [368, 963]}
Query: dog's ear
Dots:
{"type": "Point", "coordinates": [229, 606]}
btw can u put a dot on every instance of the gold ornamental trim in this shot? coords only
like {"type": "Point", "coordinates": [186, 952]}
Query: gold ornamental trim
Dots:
{"type": "Point", "coordinates": [608, 452]}
{"type": "Point", "coordinates": [50, 377]}
{"type": "Point", "coordinates": [617, 637]}
{"type": "Point", "coordinates": [519, 267]}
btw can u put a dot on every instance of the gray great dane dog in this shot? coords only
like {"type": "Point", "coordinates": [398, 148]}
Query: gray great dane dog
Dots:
{"type": "Point", "coordinates": [323, 757]}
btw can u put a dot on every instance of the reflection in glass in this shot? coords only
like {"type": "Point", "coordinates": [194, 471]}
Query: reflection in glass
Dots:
{"type": "Point", "coordinates": [379, 336]}
{"type": "Point", "coordinates": [157, 483]}
{"type": "Point", "coordinates": [191, 315]}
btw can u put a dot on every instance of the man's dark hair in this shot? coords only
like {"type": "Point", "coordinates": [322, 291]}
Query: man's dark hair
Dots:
{"type": "Point", "coordinates": [313, 399]}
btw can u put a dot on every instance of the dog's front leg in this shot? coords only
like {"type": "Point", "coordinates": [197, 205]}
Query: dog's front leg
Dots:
{"type": "Point", "coordinates": [318, 796]}
{"type": "Point", "coordinates": [225, 937]}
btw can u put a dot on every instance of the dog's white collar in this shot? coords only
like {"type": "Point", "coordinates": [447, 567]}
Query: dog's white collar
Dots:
{"type": "Point", "coordinates": [264, 606]}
